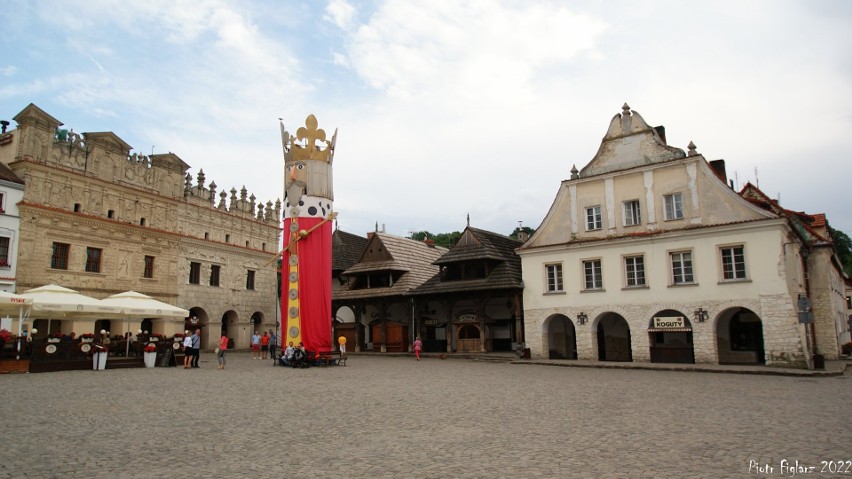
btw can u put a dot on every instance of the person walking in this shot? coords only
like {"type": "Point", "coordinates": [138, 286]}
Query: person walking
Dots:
{"type": "Point", "coordinates": [196, 348]}
{"type": "Point", "coordinates": [341, 342]}
{"type": "Point", "coordinates": [220, 356]}
{"type": "Point", "coordinates": [418, 345]}
{"type": "Point", "coordinates": [255, 346]}
{"type": "Point", "coordinates": [187, 349]}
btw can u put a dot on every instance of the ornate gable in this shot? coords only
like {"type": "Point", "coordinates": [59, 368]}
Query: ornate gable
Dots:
{"type": "Point", "coordinates": [170, 162]}
{"type": "Point", "coordinates": [108, 141]}
{"type": "Point", "coordinates": [629, 142]}
{"type": "Point", "coordinates": [33, 115]}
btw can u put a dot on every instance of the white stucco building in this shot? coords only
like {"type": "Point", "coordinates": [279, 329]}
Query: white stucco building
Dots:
{"type": "Point", "coordinates": [11, 192]}
{"type": "Point", "coordinates": [648, 254]}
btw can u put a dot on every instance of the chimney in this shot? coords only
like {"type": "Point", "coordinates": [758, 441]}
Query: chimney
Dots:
{"type": "Point", "coordinates": [719, 167]}
{"type": "Point", "coordinates": [523, 236]}
{"type": "Point", "coordinates": [661, 131]}
{"type": "Point", "coordinates": [4, 124]}
{"type": "Point", "coordinates": [429, 243]}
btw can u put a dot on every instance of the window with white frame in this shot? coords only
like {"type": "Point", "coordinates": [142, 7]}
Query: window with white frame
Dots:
{"type": "Point", "coordinates": [593, 218]}
{"type": "Point", "coordinates": [733, 262]}
{"type": "Point", "coordinates": [593, 278]}
{"type": "Point", "coordinates": [634, 269]}
{"type": "Point", "coordinates": [632, 215]}
{"type": "Point", "coordinates": [554, 277]}
{"type": "Point", "coordinates": [674, 206]}
{"type": "Point", "coordinates": [681, 267]}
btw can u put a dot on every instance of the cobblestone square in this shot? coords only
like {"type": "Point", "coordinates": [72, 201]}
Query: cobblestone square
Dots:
{"type": "Point", "coordinates": [396, 417]}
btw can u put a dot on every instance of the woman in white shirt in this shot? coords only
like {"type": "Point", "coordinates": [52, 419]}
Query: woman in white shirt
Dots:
{"type": "Point", "coordinates": [187, 349]}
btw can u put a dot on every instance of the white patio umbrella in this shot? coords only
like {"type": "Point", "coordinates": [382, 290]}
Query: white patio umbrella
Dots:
{"type": "Point", "coordinates": [138, 305]}
{"type": "Point", "coordinates": [11, 303]}
{"type": "Point", "coordinates": [54, 301]}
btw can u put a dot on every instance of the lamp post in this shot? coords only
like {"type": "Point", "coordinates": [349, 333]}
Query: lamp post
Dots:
{"type": "Point", "coordinates": [33, 332]}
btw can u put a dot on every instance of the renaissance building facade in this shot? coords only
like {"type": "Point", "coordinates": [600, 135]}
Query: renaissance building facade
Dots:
{"type": "Point", "coordinates": [649, 254]}
{"type": "Point", "coordinates": [101, 219]}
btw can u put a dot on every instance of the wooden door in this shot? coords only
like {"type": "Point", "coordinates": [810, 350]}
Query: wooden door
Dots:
{"type": "Point", "coordinates": [396, 339]}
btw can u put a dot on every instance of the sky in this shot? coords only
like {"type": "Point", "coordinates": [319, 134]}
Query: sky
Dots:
{"type": "Point", "coordinates": [447, 109]}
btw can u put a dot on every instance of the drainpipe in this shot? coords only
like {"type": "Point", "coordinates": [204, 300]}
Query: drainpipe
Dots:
{"type": "Point", "coordinates": [809, 327]}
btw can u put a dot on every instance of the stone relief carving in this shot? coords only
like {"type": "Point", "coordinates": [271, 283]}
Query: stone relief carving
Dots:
{"type": "Point", "coordinates": [33, 191]}
{"type": "Point", "coordinates": [124, 265]}
{"type": "Point", "coordinates": [94, 202]}
{"type": "Point", "coordinates": [60, 194]}
{"type": "Point", "coordinates": [183, 271]}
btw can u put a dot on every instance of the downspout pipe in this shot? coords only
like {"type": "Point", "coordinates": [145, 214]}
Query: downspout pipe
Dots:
{"type": "Point", "coordinates": [805, 253]}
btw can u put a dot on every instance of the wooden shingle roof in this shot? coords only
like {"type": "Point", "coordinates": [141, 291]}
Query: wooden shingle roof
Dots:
{"type": "Point", "coordinates": [477, 244]}
{"type": "Point", "coordinates": [386, 252]}
{"type": "Point", "coordinates": [346, 249]}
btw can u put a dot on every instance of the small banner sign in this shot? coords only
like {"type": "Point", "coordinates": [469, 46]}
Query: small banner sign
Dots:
{"type": "Point", "coordinates": [662, 322]}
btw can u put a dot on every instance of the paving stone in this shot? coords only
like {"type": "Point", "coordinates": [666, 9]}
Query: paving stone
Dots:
{"type": "Point", "coordinates": [395, 417]}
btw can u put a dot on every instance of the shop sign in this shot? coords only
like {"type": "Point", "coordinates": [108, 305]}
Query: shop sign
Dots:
{"type": "Point", "coordinates": [663, 322]}
{"type": "Point", "coordinates": [432, 322]}
{"type": "Point", "coordinates": [467, 317]}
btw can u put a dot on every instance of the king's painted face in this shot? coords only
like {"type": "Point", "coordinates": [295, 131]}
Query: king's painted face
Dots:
{"type": "Point", "coordinates": [295, 182]}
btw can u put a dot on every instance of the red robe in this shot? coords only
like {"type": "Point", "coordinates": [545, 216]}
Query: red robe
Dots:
{"type": "Point", "coordinates": [314, 284]}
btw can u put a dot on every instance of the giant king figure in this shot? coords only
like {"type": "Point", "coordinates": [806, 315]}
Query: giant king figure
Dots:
{"type": "Point", "coordinates": [306, 266]}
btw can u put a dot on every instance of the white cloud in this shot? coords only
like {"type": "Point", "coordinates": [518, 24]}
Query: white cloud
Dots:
{"type": "Point", "coordinates": [471, 53]}
{"type": "Point", "coordinates": [340, 13]}
{"type": "Point", "coordinates": [447, 108]}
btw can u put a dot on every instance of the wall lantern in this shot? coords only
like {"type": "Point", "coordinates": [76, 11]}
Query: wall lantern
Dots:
{"type": "Point", "coordinates": [581, 318]}
{"type": "Point", "coordinates": [701, 315]}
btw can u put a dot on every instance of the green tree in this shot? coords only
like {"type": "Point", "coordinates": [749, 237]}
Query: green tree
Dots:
{"type": "Point", "coordinates": [843, 245]}
{"type": "Point", "coordinates": [447, 240]}
{"type": "Point", "coordinates": [421, 235]}
{"type": "Point", "coordinates": [526, 229]}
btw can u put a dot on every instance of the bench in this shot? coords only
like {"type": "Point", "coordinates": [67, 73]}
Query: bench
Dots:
{"type": "Point", "coordinates": [331, 358]}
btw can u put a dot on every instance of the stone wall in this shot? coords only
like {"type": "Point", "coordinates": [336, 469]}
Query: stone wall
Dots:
{"type": "Point", "coordinates": [783, 340]}
{"type": "Point", "coordinates": [89, 191]}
